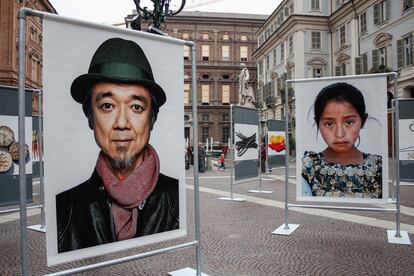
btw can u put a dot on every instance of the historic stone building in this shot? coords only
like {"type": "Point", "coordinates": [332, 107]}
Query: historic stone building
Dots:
{"type": "Point", "coordinates": [319, 38]}
{"type": "Point", "coordinates": [224, 40]}
{"type": "Point", "coordinates": [9, 34]}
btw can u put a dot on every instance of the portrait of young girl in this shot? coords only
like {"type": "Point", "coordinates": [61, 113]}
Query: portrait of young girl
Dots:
{"type": "Point", "coordinates": [339, 167]}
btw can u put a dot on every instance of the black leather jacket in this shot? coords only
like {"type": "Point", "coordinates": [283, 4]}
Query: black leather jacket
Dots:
{"type": "Point", "coordinates": [84, 215]}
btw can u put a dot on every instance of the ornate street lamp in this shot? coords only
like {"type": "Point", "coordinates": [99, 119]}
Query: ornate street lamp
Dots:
{"type": "Point", "coordinates": [160, 11]}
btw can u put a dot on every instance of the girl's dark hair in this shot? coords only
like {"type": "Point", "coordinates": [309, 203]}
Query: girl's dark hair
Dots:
{"type": "Point", "coordinates": [341, 92]}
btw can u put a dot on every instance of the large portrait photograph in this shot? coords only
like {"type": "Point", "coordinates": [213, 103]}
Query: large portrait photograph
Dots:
{"type": "Point", "coordinates": [113, 132]}
{"type": "Point", "coordinates": [342, 139]}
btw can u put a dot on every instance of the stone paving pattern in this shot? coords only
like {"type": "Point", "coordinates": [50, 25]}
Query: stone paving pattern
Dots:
{"type": "Point", "coordinates": [236, 239]}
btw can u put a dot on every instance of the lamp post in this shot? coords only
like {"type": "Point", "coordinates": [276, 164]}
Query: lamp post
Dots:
{"type": "Point", "coordinates": [161, 9]}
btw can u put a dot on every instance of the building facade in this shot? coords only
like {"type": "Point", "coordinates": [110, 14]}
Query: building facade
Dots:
{"type": "Point", "coordinates": [223, 41]}
{"type": "Point", "coordinates": [320, 38]}
{"type": "Point", "coordinates": [9, 35]}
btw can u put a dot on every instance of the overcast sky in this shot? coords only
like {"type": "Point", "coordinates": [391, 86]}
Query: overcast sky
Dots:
{"type": "Point", "coordinates": [114, 11]}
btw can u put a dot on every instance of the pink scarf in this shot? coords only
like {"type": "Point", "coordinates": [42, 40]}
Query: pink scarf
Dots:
{"type": "Point", "coordinates": [128, 195]}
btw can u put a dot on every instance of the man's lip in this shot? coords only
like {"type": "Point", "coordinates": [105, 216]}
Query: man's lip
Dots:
{"type": "Point", "coordinates": [123, 141]}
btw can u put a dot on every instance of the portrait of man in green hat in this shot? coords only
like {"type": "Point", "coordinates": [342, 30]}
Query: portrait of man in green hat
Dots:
{"type": "Point", "coordinates": [126, 196]}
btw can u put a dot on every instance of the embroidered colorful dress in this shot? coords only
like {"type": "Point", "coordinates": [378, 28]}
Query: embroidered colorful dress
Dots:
{"type": "Point", "coordinates": [337, 180]}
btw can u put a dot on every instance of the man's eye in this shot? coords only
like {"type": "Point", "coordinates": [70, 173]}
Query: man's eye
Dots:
{"type": "Point", "coordinates": [106, 107]}
{"type": "Point", "coordinates": [136, 108]}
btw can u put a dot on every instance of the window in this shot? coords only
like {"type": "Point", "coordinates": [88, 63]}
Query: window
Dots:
{"type": "Point", "coordinates": [225, 37]}
{"type": "Point", "coordinates": [261, 39]}
{"type": "Point", "coordinates": [278, 86]}
{"type": "Point", "coordinates": [205, 133]}
{"type": "Point", "coordinates": [315, 5]}
{"type": "Point", "coordinates": [340, 70]}
{"type": "Point", "coordinates": [405, 51]}
{"type": "Point", "coordinates": [34, 70]}
{"type": "Point", "coordinates": [225, 89]}
{"type": "Point", "coordinates": [342, 38]}
{"type": "Point", "coordinates": [243, 53]}
{"type": "Point", "coordinates": [286, 11]}
{"type": "Point", "coordinates": [267, 61]}
{"type": "Point", "coordinates": [407, 4]}
{"type": "Point", "coordinates": [243, 38]}
{"type": "Point", "coordinates": [225, 53]}
{"type": "Point", "coordinates": [205, 93]}
{"type": "Point", "coordinates": [317, 72]}
{"type": "Point", "coordinates": [226, 117]}
{"type": "Point", "coordinates": [361, 64]}
{"type": "Point", "coordinates": [290, 45]}
{"type": "Point", "coordinates": [274, 57]}
{"type": "Point", "coordinates": [186, 52]}
{"type": "Point", "coordinates": [381, 11]}
{"type": "Point", "coordinates": [205, 36]}
{"type": "Point", "coordinates": [205, 51]}
{"type": "Point", "coordinates": [187, 133]}
{"type": "Point", "coordinates": [260, 68]}
{"type": "Point", "coordinates": [316, 40]}
{"type": "Point", "coordinates": [205, 117]}
{"type": "Point", "coordinates": [363, 22]}
{"type": "Point", "coordinates": [379, 57]}
{"type": "Point", "coordinates": [186, 93]}
{"type": "Point", "coordinates": [186, 36]}
{"type": "Point", "coordinates": [292, 10]}
{"type": "Point", "coordinates": [282, 52]}
{"type": "Point", "coordinates": [226, 134]}
{"type": "Point", "coordinates": [382, 52]}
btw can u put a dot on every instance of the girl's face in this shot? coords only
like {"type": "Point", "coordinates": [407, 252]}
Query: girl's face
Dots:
{"type": "Point", "coordinates": [339, 125]}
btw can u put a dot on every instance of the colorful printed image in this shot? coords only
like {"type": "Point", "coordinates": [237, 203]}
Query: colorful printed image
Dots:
{"type": "Point", "coordinates": [9, 146]}
{"type": "Point", "coordinates": [276, 142]}
{"type": "Point", "coordinates": [36, 147]}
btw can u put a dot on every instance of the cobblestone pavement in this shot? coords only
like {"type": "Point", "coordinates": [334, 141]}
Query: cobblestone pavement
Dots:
{"type": "Point", "coordinates": [236, 237]}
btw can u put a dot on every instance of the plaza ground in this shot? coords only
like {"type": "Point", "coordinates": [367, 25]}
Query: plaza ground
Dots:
{"type": "Point", "coordinates": [237, 239]}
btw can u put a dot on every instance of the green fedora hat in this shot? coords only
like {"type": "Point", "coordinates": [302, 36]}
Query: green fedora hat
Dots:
{"type": "Point", "coordinates": [120, 61]}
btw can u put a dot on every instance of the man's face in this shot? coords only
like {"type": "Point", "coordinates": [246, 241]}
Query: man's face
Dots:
{"type": "Point", "coordinates": [121, 119]}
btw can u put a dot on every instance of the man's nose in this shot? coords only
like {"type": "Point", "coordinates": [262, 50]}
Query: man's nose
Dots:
{"type": "Point", "coordinates": [122, 119]}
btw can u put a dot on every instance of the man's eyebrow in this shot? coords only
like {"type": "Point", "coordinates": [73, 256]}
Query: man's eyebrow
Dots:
{"type": "Point", "coordinates": [140, 98]}
{"type": "Point", "coordinates": [102, 95]}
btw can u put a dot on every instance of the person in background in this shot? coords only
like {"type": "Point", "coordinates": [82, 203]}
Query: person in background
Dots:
{"type": "Point", "coordinates": [221, 159]}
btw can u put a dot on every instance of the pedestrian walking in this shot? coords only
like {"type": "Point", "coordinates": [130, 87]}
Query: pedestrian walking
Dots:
{"type": "Point", "coordinates": [222, 162]}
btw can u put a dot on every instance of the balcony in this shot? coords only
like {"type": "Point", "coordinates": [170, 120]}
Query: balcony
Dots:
{"type": "Point", "coordinates": [270, 101]}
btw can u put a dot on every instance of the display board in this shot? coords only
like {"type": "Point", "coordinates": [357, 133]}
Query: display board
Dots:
{"type": "Point", "coordinates": [246, 149]}
{"type": "Point", "coordinates": [341, 139]}
{"type": "Point", "coordinates": [9, 152]}
{"type": "Point", "coordinates": [276, 143]}
{"type": "Point", "coordinates": [406, 139]}
{"type": "Point", "coordinates": [123, 92]}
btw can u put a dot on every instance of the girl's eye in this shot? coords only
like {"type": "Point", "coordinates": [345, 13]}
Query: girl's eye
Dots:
{"type": "Point", "coordinates": [349, 122]}
{"type": "Point", "coordinates": [137, 108]}
{"type": "Point", "coordinates": [106, 107]}
{"type": "Point", "coordinates": [328, 124]}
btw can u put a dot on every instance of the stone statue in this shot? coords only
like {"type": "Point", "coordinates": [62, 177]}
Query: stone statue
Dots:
{"type": "Point", "coordinates": [246, 95]}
